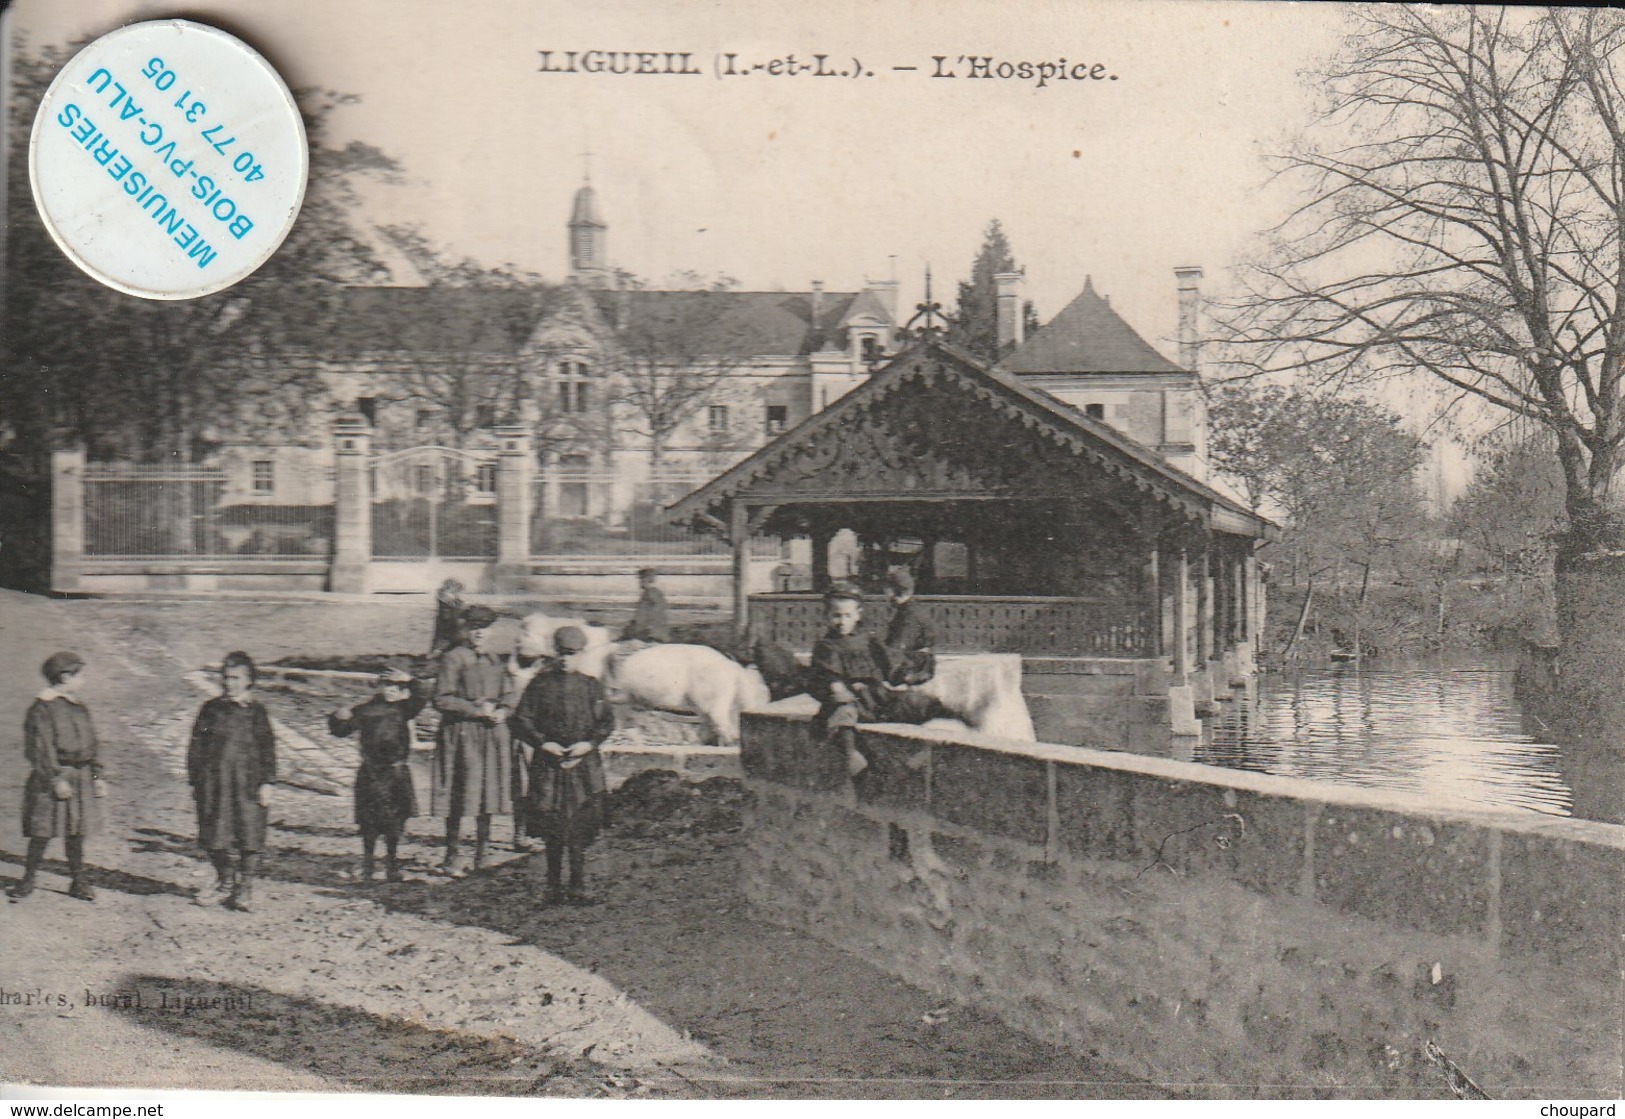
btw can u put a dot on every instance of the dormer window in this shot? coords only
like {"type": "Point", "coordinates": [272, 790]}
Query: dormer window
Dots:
{"type": "Point", "coordinates": [872, 350]}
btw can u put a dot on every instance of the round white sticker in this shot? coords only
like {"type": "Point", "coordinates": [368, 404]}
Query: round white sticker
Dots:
{"type": "Point", "coordinates": [168, 159]}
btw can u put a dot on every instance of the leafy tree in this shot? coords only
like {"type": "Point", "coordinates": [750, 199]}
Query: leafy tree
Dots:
{"type": "Point", "coordinates": [975, 324]}
{"type": "Point", "coordinates": [146, 379]}
{"type": "Point", "coordinates": [1507, 523]}
{"type": "Point", "coordinates": [1339, 471]}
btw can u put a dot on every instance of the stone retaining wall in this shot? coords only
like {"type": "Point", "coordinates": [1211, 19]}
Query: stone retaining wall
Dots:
{"type": "Point", "coordinates": [1250, 934]}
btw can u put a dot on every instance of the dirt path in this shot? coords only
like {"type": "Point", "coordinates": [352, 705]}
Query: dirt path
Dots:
{"type": "Point", "coordinates": [669, 987]}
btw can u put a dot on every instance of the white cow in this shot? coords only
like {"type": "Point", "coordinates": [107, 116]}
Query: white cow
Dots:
{"type": "Point", "coordinates": [689, 680]}
{"type": "Point", "coordinates": [984, 691]}
{"type": "Point", "coordinates": [536, 640]}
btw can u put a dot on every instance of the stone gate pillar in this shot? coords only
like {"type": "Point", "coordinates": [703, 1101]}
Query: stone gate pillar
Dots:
{"type": "Point", "coordinates": [352, 505]}
{"type": "Point", "coordinates": [515, 471]}
{"type": "Point", "coordinates": [67, 518]}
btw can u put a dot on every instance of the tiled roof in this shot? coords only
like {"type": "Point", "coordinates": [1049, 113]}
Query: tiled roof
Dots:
{"type": "Point", "coordinates": [355, 321]}
{"type": "Point", "coordinates": [1087, 337]}
{"type": "Point", "coordinates": [738, 323]}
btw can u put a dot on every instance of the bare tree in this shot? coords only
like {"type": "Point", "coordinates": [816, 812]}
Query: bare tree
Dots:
{"type": "Point", "coordinates": [672, 355]}
{"type": "Point", "coordinates": [1466, 189]}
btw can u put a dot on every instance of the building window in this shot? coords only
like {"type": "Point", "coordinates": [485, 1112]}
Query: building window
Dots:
{"type": "Point", "coordinates": [717, 417]}
{"type": "Point", "coordinates": [485, 415]}
{"type": "Point", "coordinates": [368, 407]}
{"type": "Point", "coordinates": [575, 393]}
{"type": "Point", "coordinates": [777, 418]}
{"type": "Point", "coordinates": [424, 475]}
{"type": "Point", "coordinates": [264, 476]}
{"type": "Point", "coordinates": [424, 418]}
{"type": "Point", "coordinates": [871, 348]}
{"type": "Point", "coordinates": [1095, 411]}
{"type": "Point", "coordinates": [485, 480]}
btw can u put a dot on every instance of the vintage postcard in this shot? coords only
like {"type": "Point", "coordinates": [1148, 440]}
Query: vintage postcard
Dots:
{"type": "Point", "coordinates": [760, 550]}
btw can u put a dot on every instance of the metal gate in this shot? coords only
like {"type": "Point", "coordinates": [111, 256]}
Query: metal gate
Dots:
{"type": "Point", "coordinates": [432, 503]}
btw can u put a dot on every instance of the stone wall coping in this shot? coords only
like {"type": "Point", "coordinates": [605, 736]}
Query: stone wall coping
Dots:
{"type": "Point", "coordinates": [802, 708]}
{"type": "Point", "coordinates": [697, 749]}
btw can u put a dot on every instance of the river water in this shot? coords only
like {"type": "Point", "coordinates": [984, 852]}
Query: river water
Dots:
{"type": "Point", "coordinates": [1450, 732]}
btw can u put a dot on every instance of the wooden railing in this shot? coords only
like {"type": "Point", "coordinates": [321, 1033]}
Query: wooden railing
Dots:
{"type": "Point", "coordinates": [1033, 626]}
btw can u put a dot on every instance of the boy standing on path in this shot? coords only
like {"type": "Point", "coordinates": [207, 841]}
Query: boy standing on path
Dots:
{"type": "Point", "coordinates": [231, 764]}
{"type": "Point", "coordinates": [64, 778]}
{"type": "Point", "coordinates": [564, 717]}
{"type": "Point", "coordinates": [384, 797]}
{"type": "Point", "coordinates": [473, 760]}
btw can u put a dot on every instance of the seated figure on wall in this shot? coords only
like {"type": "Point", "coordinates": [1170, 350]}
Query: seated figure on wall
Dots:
{"type": "Point", "coordinates": [910, 658]}
{"type": "Point", "coordinates": [850, 677]}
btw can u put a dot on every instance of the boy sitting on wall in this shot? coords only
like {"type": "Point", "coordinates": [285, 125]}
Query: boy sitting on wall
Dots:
{"type": "Point", "coordinates": [849, 677]}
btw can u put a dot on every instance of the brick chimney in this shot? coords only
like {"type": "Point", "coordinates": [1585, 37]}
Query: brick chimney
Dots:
{"type": "Point", "coordinates": [817, 302]}
{"type": "Point", "coordinates": [1190, 298]}
{"type": "Point", "coordinates": [1010, 324]}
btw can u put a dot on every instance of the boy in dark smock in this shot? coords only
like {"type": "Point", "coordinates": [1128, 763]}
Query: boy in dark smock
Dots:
{"type": "Point", "coordinates": [650, 620]}
{"type": "Point", "coordinates": [384, 797]}
{"type": "Point", "coordinates": [231, 763]}
{"type": "Point", "coordinates": [564, 716]}
{"type": "Point", "coordinates": [64, 775]}
{"type": "Point", "coordinates": [908, 637]}
{"type": "Point", "coordinates": [473, 760]}
{"type": "Point", "coordinates": [849, 677]}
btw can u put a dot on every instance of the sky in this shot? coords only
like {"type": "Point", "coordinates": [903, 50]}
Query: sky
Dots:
{"type": "Point", "coordinates": [778, 181]}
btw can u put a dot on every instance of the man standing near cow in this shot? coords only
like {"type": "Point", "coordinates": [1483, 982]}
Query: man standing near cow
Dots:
{"type": "Point", "coordinates": [850, 678]}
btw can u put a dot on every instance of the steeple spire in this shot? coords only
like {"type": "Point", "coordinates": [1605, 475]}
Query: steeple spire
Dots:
{"type": "Point", "coordinates": [589, 235]}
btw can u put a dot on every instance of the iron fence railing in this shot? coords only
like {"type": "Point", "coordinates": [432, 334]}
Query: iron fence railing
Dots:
{"type": "Point", "coordinates": [135, 510]}
{"type": "Point", "coordinates": [581, 513]}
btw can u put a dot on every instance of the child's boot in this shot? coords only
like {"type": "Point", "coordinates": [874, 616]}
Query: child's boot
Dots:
{"type": "Point", "coordinates": [36, 856]}
{"type": "Point", "coordinates": [80, 886]}
{"type": "Point", "coordinates": [242, 898]}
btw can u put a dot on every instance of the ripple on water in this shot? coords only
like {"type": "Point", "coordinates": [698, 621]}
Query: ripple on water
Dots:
{"type": "Point", "coordinates": [1453, 734]}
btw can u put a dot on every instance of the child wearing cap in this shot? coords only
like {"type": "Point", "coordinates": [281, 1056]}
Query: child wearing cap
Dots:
{"type": "Point", "coordinates": [384, 797]}
{"type": "Point", "coordinates": [564, 716]}
{"type": "Point", "coordinates": [849, 677]}
{"type": "Point", "coordinates": [650, 621]}
{"type": "Point", "coordinates": [448, 617]}
{"type": "Point", "coordinates": [64, 777]}
{"type": "Point", "coordinates": [473, 761]}
{"type": "Point", "coordinates": [908, 636]}
{"type": "Point", "coordinates": [231, 764]}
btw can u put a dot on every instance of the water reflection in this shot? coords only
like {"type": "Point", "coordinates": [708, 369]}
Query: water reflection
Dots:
{"type": "Point", "coordinates": [1452, 733]}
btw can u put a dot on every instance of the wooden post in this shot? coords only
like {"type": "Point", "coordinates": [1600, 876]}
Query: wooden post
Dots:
{"type": "Point", "coordinates": [821, 536]}
{"type": "Point", "coordinates": [1182, 629]}
{"type": "Point", "coordinates": [1153, 585]}
{"type": "Point", "coordinates": [739, 537]}
{"type": "Point", "coordinates": [1204, 609]}
{"type": "Point", "coordinates": [1241, 627]}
